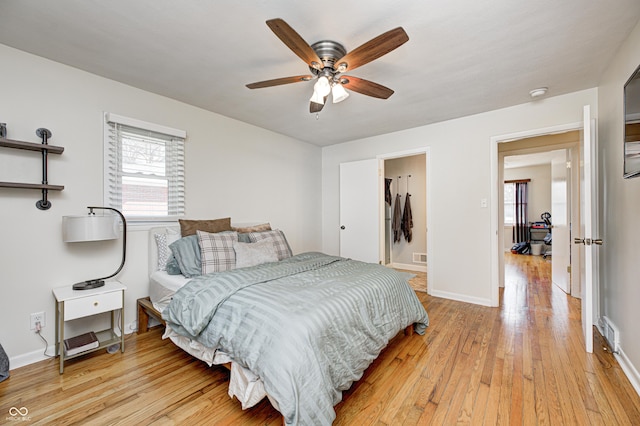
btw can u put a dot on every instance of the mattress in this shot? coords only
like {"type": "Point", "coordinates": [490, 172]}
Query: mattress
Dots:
{"type": "Point", "coordinates": [163, 286]}
{"type": "Point", "coordinates": [243, 384]}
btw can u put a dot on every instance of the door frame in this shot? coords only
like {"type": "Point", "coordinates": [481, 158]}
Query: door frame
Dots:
{"type": "Point", "coordinates": [409, 153]}
{"type": "Point", "coordinates": [497, 250]}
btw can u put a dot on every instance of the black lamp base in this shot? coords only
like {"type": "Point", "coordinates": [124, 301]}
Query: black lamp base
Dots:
{"type": "Point", "coordinates": [87, 285]}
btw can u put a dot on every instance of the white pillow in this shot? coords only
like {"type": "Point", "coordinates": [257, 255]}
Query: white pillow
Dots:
{"type": "Point", "coordinates": [217, 251]}
{"type": "Point", "coordinates": [251, 254]}
{"type": "Point", "coordinates": [163, 250]}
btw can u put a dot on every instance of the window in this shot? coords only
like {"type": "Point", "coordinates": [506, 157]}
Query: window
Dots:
{"type": "Point", "coordinates": [144, 169]}
{"type": "Point", "coordinates": [510, 203]}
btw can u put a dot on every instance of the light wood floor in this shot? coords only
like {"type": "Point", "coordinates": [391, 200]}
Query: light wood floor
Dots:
{"type": "Point", "coordinates": [522, 363]}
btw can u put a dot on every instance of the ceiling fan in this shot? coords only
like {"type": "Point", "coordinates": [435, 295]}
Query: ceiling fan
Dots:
{"type": "Point", "coordinates": [328, 60]}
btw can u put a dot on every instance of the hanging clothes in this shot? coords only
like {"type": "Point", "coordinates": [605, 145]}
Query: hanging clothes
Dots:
{"type": "Point", "coordinates": [387, 190]}
{"type": "Point", "coordinates": [407, 219]}
{"type": "Point", "coordinates": [396, 223]}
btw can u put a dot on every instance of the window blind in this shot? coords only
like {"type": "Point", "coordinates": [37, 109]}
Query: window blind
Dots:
{"type": "Point", "coordinates": [144, 170]}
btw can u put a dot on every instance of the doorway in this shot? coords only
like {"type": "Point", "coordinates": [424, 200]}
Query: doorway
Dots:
{"type": "Point", "coordinates": [405, 196]}
{"type": "Point", "coordinates": [548, 162]}
{"type": "Point", "coordinates": [405, 173]}
{"type": "Point", "coordinates": [363, 205]}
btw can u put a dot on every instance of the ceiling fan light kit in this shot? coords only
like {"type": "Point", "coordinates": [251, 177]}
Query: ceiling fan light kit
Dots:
{"type": "Point", "coordinates": [338, 93]}
{"type": "Point", "coordinates": [327, 60]}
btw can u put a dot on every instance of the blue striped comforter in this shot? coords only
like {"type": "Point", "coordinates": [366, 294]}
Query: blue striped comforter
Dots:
{"type": "Point", "coordinates": [308, 326]}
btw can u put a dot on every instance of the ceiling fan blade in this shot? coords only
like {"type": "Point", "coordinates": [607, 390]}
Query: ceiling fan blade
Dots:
{"type": "Point", "coordinates": [372, 49]}
{"type": "Point", "coordinates": [294, 42]}
{"type": "Point", "coordinates": [279, 81]}
{"type": "Point", "coordinates": [366, 87]}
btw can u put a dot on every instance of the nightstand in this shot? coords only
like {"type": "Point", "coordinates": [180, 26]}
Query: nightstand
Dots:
{"type": "Point", "coordinates": [73, 304]}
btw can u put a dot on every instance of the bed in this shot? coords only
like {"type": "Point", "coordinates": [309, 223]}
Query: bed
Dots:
{"type": "Point", "coordinates": [298, 330]}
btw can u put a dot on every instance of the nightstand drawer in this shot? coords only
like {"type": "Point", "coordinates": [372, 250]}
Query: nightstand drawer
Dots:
{"type": "Point", "coordinates": [91, 305]}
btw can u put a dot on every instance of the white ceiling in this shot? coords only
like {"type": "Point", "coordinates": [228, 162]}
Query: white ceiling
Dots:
{"type": "Point", "coordinates": [529, 160]}
{"type": "Point", "coordinates": [463, 57]}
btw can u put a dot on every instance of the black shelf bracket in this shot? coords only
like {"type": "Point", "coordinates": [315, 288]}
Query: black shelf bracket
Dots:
{"type": "Point", "coordinates": [44, 134]}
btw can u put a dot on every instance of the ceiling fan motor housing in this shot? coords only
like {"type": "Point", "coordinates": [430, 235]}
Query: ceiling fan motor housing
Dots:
{"type": "Point", "coordinates": [329, 52]}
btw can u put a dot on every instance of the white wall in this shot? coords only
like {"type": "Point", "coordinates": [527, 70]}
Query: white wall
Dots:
{"type": "Point", "coordinates": [232, 169]}
{"type": "Point", "coordinates": [460, 179]}
{"type": "Point", "coordinates": [619, 207]}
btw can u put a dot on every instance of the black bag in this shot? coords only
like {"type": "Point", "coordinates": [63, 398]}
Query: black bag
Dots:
{"type": "Point", "coordinates": [4, 364]}
{"type": "Point", "coordinates": [521, 248]}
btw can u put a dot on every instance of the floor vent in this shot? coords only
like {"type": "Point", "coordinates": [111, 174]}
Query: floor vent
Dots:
{"type": "Point", "coordinates": [611, 334]}
{"type": "Point", "coordinates": [420, 258]}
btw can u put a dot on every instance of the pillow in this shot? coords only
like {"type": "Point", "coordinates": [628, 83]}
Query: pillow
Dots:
{"type": "Point", "coordinates": [189, 227]}
{"type": "Point", "coordinates": [217, 251]}
{"type": "Point", "coordinates": [279, 241]}
{"type": "Point", "coordinates": [251, 254]}
{"type": "Point", "coordinates": [172, 266]}
{"type": "Point", "coordinates": [244, 238]}
{"type": "Point", "coordinates": [255, 228]}
{"type": "Point", "coordinates": [162, 243]}
{"type": "Point", "coordinates": [186, 250]}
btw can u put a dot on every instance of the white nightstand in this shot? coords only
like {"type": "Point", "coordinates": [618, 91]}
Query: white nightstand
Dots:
{"type": "Point", "coordinates": [73, 304]}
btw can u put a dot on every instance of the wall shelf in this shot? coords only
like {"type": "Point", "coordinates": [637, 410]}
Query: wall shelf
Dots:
{"type": "Point", "coordinates": [30, 146]}
{"type": "Point", "coordinates": [45, 149]}
{"type": "Point", "coordinates": [31, 186]}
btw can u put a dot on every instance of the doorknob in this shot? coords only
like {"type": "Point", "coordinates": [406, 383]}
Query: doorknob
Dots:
{"type": "Point", "coordinates": [342, 227]}
{"type": "Point", "coordinates": [597, 241]}
{"type": "Point", "coordinates": [578, 240]}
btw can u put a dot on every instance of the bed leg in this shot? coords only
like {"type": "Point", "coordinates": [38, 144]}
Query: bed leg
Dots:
{"type": "Point", "coordinates": [408, 331]}
{"type": "Point", "coordinates": [143, 318]}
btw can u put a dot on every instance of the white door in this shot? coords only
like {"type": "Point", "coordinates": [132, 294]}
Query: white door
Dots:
{"type": "Point", "coordinates": [360, 210]}
{"type": "Point", "coordinates": [560, 219]}
{"type": "Point", "coordinates": [588, 227]}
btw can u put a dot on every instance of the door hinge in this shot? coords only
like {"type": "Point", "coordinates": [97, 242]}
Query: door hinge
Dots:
{"type": "Point", "coordinates": [569, 269]}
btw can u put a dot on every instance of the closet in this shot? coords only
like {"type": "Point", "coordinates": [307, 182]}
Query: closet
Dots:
{"type": "Point", "coordinates": [406, 177]}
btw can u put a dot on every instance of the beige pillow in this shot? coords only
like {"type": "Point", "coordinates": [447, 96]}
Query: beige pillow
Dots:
{"type": "Point", "coordinates": [255, 228]}
{"type": "Point", "coordinates": [251, 254]}
{"type": "Point", "coordinates": [189, 227]}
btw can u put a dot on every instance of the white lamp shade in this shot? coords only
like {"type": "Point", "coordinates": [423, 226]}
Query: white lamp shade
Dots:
{"type": "Point", "coordinates": [317, 98]}
{"type": "Point", "coordinates": [90, 228]}
{"type": "Point", "coordinates": [339, 94]}
{"type": "Point", "coordinates": [322, 86]}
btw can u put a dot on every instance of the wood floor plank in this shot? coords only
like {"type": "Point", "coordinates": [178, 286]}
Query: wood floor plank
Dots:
{"type": "Point", "coordinates": [522, 363]}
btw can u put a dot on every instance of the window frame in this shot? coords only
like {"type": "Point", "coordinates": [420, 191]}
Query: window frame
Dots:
{"type": "Point", "coordinates": [110, 120]}
{"type": "Point", "coordinates": [513, 204]}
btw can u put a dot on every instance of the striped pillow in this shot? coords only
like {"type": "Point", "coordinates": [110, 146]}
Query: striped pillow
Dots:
{"type": "Point", "coordinates": [217, 251]}
{"type": "Point", "coordinates": [279, 241]}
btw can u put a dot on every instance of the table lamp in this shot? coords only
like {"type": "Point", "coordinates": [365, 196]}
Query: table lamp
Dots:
{"type": "Point", "coordinates": [95, 228]}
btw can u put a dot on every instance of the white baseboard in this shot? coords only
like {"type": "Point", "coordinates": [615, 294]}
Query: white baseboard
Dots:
{"type": "Point", "coordinates": [409, 267]}
{"type": "Point", "coordinates": [459, 297]}
{"type": "Point", "coordinates": [629, 370]}
{"type": "Point", "coordinates": [30, 357]}
{"type": "Point", "coordinates": [38, 355]}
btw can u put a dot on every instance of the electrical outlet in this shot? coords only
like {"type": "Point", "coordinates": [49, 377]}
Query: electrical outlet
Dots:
{"type": "Point", "coordinates": [38, 317]}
